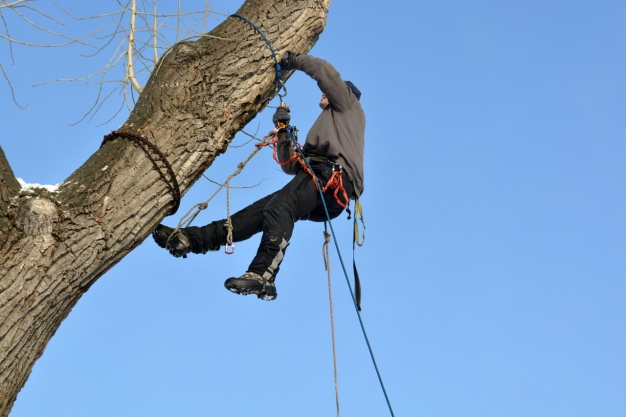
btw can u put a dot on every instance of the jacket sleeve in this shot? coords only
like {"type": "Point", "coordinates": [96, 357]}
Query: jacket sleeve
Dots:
{"type": "Point", "coordinates": [328, 79]}
{"type": "Point", "coordinates": [284, 151]}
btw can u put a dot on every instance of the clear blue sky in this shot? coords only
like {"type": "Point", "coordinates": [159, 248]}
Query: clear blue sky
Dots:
{"type": "Point", "coordinates": [494, 269]}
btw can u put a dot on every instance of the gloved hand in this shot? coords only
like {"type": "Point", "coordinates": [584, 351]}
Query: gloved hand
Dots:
{"type": "Point", "coordinates": [281, 115]}
{"type": "Point", "coordinates": [288, 61]}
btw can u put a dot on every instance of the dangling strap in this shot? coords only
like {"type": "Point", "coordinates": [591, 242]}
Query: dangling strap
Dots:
{"type": "Point", "coordinates": [358, 215]}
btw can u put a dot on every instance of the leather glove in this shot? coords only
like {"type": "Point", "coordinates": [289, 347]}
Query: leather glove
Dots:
{"type": "Point", "coordinates": [281, 115]}
{"type": "Point", "coordinates": [288, 61]}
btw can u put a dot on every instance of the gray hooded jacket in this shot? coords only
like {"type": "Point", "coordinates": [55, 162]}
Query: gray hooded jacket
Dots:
{"type": "Point", "coordinates": [339, 131]}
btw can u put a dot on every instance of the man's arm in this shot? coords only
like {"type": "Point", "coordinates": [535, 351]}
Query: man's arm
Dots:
{"type": "Point", "coordinates": [328, 78]}
{"type": "Point", "coordinates": [284, 151]}
{"type": "Point", "coordinates": [284, 148]}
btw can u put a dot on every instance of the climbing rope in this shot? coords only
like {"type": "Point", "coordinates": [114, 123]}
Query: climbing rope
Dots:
{"type": "Point", "coordinates": [326, 257]}
{"type": "Point", "coordinates": [147, 146]}
{"type": "Point", "coordinates": [279, 71]}
{"type": "Point", "coordinates": [354, 301]}
{"type": "Point", "coordinates": [229, 249]}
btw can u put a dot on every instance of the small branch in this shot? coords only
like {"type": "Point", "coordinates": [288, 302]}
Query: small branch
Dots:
{"type": "Point", "coordinates": [6, 29]}
{"type": "Point", "coordinates": [242, 187]}
{"type": "Point", "coordinates": [206, 16]}
{"type": "Point", "coordinates": [56, 45]}
{"type": "Point", "coordinates": [43, 29]}
{"type": "Point", "coordinates": [154, 35]}
{"type": "Point", "coordinates": [10, 5]}
{"type": "Point", "coordinates": [178, 23]}
{"type": "Point", "coordinates": [131, 42]}
{"type": "Point", "coordinates": [6, 77]}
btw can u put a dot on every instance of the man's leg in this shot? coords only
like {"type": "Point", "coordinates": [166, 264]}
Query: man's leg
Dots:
{"type": "Point", "coordinates": [210, 237]}
{"type": "Point", "coordinates": [246, 223]}
{"type": "Point", "coordinates": [286, 206]}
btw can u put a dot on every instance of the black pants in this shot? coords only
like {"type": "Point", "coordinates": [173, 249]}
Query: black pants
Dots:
{"type": "Point", "coordinates": [275, 216]}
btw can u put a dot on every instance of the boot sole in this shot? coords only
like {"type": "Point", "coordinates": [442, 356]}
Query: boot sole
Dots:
{"type": "Point", "coordinates": [249, 286]}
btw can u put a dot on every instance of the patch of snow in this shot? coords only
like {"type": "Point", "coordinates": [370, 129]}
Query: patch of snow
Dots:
{"type": "Point", "coordinates": [26, 186]}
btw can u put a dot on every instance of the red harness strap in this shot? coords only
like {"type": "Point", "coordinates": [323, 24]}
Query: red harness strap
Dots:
{"type": "Point", "coordinates": [336, 183]}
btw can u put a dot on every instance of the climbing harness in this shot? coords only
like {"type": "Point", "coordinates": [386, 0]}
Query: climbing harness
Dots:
{"type": "Point", "coordinates": [336, 183]}
{"type": "Point", "coordinates": [147, 146]}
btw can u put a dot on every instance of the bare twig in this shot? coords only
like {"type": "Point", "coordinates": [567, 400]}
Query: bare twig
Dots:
{"type": "Point", "coordinates": [178, 23]}
{"type": "Point", "coordinates": [140, 36]}
{"type": "Point", "coordinates": [43, 29]}
{"type": "Point", "coordinates": [6, 28]}
{"type": "Point", "coordinates": [154, 34]}
{"type": "Point", "coordinates": [6, 77]}
{"type": "Point", "coordinates": [131, 41]}
{"type": "Point", "coordinates": [232, 186]}
{"type": "Point", "coordinates": [10, 5]}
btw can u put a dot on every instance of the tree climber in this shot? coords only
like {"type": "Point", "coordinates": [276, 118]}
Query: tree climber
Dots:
{"type": "Point", "coordinates": [334, 149]}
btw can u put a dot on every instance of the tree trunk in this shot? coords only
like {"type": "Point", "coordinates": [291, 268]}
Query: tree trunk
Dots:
{"type": "Point", "coordinates": [54, 246]}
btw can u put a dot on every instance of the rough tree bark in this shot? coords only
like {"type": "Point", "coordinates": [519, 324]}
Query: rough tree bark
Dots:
{"type": "Point", "coordinates": [54, 246]}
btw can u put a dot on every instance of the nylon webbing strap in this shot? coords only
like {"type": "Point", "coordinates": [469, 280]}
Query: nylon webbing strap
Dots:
{"type": "Point", "coordinates": [358, 215]}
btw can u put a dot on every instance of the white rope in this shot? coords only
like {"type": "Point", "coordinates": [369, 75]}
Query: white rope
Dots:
{"type": "Point", "coordinates": [326, 256]}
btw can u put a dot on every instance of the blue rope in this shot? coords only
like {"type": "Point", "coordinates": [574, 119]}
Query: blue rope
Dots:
{"type": "Point", "coordinates": [332, 231]}
{"type": "Point", "coordinates": [279, 71]}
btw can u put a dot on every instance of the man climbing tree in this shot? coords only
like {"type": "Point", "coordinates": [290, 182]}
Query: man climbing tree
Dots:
{"type": "Point", "coordinates": [334, 152]}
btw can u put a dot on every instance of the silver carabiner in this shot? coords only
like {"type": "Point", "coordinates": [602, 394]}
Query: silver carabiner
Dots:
{"type": "Point", "coordinates": [281, 85]}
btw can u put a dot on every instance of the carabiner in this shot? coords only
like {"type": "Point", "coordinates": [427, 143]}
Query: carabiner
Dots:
{"type": "Point", "coordinates": [229, 249]}
{"type": "Point", "coordinates": [280, 84]}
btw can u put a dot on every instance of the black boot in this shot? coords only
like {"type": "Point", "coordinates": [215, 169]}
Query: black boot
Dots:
{"type": "Point", "coordinates": [252, 283]}
{"type": "Point", "coordinates": [179, 243]}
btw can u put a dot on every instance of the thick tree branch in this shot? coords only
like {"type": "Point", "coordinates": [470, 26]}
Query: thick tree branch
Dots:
{"type": "Point", "coordinates": [199, 96]}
